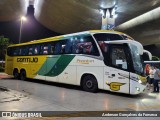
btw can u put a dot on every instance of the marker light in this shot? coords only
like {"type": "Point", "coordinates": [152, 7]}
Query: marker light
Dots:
{"type": "Point", "coordinates": [23, 18]}
{"type": "Point", "coordinates": [101, 12]}
{"type": "Point", "coordinates": [137, 88]}
{"type": "Point", "coordinates": [140, 81]}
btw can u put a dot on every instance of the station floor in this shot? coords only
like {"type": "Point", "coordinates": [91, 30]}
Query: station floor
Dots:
{"type": "Point", "coordinates": [36, 95]}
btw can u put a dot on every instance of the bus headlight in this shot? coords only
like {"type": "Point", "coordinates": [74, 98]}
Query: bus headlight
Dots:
{"type": "Point", "coordinates": [137, 88]}
{"type": "Point", "coordinates": [140, 81]}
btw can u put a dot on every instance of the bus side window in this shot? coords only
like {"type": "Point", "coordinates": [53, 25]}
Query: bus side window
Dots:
{"type": "Point", "coordinates": [26, 50]}
{"type": "Point", "coordinates": [68, 46]}
{"type": "Point", "coordinates": [75, 48]}
{"type": "Point", "coordinates": [16, 51]}
{"type": "Point", "coordinates": [103, 46]}
{"type": "Point", "coordinates": [89, 46]}
{"type": "Point", "coordinates": [37, 50]}
{"type": "Point", "coordinates": [23, 50]}
{"type": "Point", "coordinates": [52, 48]}
{"type": "Point", "coordinates": [63, 44]}
{"type": "Point", "coordinates": [58, 48]}
{"type": "Point", "coordinates": [9, 51]}
{"type": "Point", "coordinates": [49, 48]}
{"type": "Point", "coordinates": [30, 50]}
{"type": "Point", "coordinates": [45, 49]}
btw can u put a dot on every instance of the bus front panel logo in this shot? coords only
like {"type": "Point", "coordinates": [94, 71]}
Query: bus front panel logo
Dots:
{"type": "Point", "coordinates": [115, 86]}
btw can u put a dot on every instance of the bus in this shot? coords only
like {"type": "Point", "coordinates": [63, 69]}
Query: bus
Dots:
{"type": "Point", "coordinates": [95, 59]}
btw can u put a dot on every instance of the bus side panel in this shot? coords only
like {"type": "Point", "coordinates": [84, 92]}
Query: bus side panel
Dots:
{"type": "Point", "coordinates": [19, 64]}
{"type": "Point", "coordinates": [67, 69]}
{"type": "Point", "coordinates": [36, 66]}
{"type": "Point", "coordinates": [68, 75]}
{"type": "Point", "coordinates": [31, 64]}
{"type": "Point", "coordinates": [88, 65]}
{"type": "Point", "coordinates": [9, 65]}
{"type": "Point", "coordinates": [135, 86]}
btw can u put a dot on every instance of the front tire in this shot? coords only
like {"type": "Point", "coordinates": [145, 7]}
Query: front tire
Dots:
{"type": "Point", "coordinates": [89, 83]}
{"type": "Point", "coordinates": [23, 75]}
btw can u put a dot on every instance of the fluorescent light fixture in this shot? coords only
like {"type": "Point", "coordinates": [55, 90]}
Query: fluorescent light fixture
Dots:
{"type": "Point", "coordinates": [102, 12]}
{"type": "Point", "coordinates": [146, 17]}
{"type": "Point", "coordinates": [23, 18]}
{"type": "Point", "coordinates": [113, 11]}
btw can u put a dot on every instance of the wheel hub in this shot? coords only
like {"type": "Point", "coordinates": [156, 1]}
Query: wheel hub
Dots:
{"type": "Point", "coordinates": [89, 84]}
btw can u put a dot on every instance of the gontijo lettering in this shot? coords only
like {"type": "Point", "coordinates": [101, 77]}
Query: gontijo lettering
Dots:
{"type": "Point", "coordinates": [30, 60]}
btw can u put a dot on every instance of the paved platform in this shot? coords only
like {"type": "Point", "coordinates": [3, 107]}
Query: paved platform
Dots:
{"type": "Point", "coordinates": [35, 95]}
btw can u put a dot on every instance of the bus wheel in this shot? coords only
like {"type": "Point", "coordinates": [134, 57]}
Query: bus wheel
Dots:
{"type": "Point", "coordinates": [23, 75]}
{"type": "Point", "coordinates": [15, 74]}
{"type": "Point", "coordinates": [89, 83]}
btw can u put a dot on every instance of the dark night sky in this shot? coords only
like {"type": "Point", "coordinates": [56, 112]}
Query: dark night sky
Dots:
{"type": "Point", "coordinates": [31, 29]}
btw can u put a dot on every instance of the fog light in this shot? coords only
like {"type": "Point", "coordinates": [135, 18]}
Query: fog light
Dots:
{"type": "Point", "coordinates": [137, 88]}
{"type": "Point", "coordinates": [140, 81]}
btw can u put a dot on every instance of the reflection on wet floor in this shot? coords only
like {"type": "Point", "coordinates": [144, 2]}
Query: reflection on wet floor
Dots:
{"type": "Point", "coordinates": [7, 95]}
{"type": "Point", "coordinates": [17, 95]}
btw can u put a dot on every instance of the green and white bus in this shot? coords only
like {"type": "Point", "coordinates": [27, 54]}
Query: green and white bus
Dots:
{"type": "Point", "coordinates": [96, 59]}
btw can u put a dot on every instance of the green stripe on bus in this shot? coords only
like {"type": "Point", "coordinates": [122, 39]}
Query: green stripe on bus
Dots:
{"type": "Point", "coordinates": [48, 65]}
{"type": "Point", "coordinates": [55, 66]}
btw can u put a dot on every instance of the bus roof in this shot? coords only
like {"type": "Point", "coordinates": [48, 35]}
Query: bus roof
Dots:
{"type": "Point", "coordinates": [68, 35]}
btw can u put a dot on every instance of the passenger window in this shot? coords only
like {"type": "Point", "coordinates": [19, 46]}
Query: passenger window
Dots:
{"type": "Point", "coordinates": [26, 50]}
{"type": "Point", "coordinates": [84, 45]}
{"type": "Point", "coordinates": [23, 50]}
{"type": "Point", "coordinates": [16, 51]}
{"type": "Point", "coordinates": [118, 58]}
{"type": "Point", "coordinates": [52, 48]}
{"type": "Point", "coordinates": [75, 46]}
{"type": "Point", "coordinates": [68, 46]}
{"type": "Point", "coordinates": [88, 45]}
{"type": "Point", "coordinates": [9, 51]}
{"type": "Point", "coordinates": [58, 48]}
{"type": "Point", "coordinates": [30, 50]}
{"type": "Point", "coordinates": [87, 48]}
{"type": "Point", "coordinates": [45, 50]}
{"type": "Point", "coordinates": [37, 49]}
{"type": "Point", "coordinates": [103, 46]}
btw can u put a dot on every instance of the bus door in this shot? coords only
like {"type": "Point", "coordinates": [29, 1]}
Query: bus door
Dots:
{"type": "Point", "coordinates": [116, 76]}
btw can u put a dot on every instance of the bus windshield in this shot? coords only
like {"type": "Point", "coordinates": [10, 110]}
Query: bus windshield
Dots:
{"type": "Point", "coordinates": [135, 56]}
{"type": "Point", "coordinates": [107, 37]}
{"type": "Point", "coordinates": [137, 59]}
{"type": "Point", "coordinates": [111, 37]}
